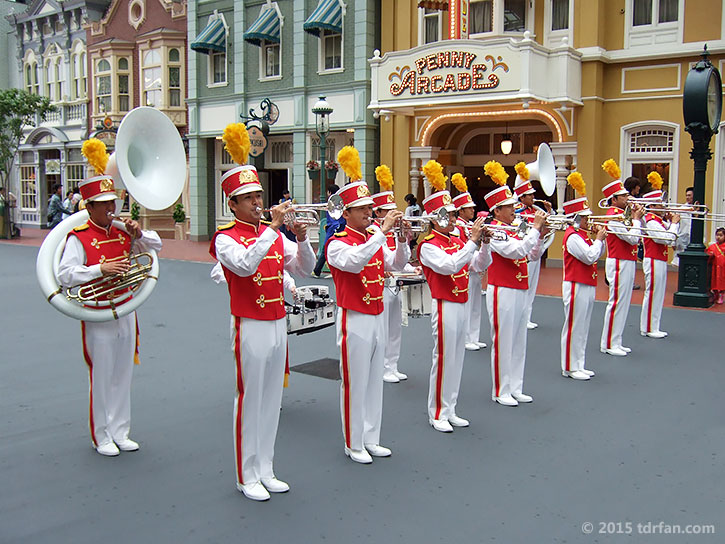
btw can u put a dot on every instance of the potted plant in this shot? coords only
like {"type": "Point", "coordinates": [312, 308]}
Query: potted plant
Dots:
{"type": "Point", "coordinates": [331, 168]}
{"type": "Point", "coordinates": [135, 211]}
{"type": "Point", "coordinates": [313, 169]}
{"type": "Point", "coordinates": [179, 222]}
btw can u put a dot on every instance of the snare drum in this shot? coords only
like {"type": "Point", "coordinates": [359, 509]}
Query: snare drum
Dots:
{"type": "Point", "coordinates": [417, 300]}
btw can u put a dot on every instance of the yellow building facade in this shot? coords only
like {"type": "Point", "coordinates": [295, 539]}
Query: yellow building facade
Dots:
{"type": "Point", "coordinates": [594, 79]}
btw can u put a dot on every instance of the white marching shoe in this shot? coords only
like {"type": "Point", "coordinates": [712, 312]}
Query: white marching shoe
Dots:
{"type": "Point", "coordinates": [390, 377]}
{"type": "Point", "coordinates": [127, 444]}
{"type": "Point", "coordinates": [458, 421]}
{"type": "Point", "coordinates": [531, 325]}
{"type": "Point", "coordinates": [376, 450]}
{"type": "Point", "coordinates": [575, 374]}
{"type": "Point", "coordinates": [401, 376]}
{"type": "Point", "coordinates": [471, 346]}
{"type": "Point", "coordinates": [625, 349]}
{"type": "Point", "coordinates": [361, 456]}
{"type": "Point", "coordinates": [617, 352]}
{"type": "Point", "coordinates": [274, 485]}
{"type": "Point", "coordinates": [588, 372]}
{"type": "Point", "coordinates": [521, 397]}
{"type": "Point", "coordinates": [482, 345]}
{"type": "Point", "coordinates": [506, 400]}
{"type": "Point", "coordinates": [441, 425]}
{"type": "Point", "coordinates": [109, 449]}
{"type": "Point", "coordinates": [254, 491]}
{"type": "Point", "coordinates": [654, 334]}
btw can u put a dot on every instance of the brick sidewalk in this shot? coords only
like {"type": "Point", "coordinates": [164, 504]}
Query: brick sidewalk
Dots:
{"type": "Point", "coordinates": [549, 279]}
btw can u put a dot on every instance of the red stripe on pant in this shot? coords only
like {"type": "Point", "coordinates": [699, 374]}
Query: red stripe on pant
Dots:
{"type": "Point", "coordinates": [651, 294]}
{"type": "Point", "coordinates": [89, 362]}
{"type": "Point", "coordinates": [240, 397]}
{"type": "Point", "coordinates": [614, 306]}
{"type": "Point", "coordinates": [496, 341]}
{"type": "Point", "coordinates": [570, 328]}
{"type": "Point", "coordinates": [441, 358]}
{"type": "Point", "coordinates": [345, 377]}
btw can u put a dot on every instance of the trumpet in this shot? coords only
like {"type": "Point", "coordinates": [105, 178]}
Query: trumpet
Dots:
{"type": "Point", "coordinates": [310, 214]}
{"type": "Point", "coordinates": [418, 224]}
{"type": "Point", "coordinates": [501, 232]}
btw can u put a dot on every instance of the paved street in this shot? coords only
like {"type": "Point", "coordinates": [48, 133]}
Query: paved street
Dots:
{"type": "Point", "coordinates": [642, 442]}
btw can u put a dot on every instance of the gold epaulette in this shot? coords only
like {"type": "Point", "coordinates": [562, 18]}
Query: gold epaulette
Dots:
{"type": "Point", "coordinates": [227, 226]}
{"type": "Point", "coordinates": [82, 227]}
{"type": "Point", "coordinates": [265, 222]}
{"type": "Point", "coordinates": [341, 234]}
{"type": "Point", "coordinates": [429, 237]}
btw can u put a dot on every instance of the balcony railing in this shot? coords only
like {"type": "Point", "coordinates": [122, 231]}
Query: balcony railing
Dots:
{"type": "Point", "coordinates": [67, 114]}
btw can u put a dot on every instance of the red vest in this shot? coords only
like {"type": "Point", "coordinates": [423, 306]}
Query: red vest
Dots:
{"type": "Point", "coordinates": [261, 295]}
{"type": "Point", "coordinates": [616, 247]}
{"type": "Point", "coordinates": [653, 250]}
{"type": "Point", "coordinates": [575, 270]}
{"type": "Point", "coordinates": [453, 287]}
{"type": "Point", "coordinates": [363, 291]}
{"type": "Point", "coordinates": [102, 247]}
{"type": "Point", "coordinates": [462, 229]}
{"type": "Point", "coordinates": [511, 273]}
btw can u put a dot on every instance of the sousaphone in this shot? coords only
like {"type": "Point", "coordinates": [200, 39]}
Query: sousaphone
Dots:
{"type": "Point", "coordinates": [150, 162]}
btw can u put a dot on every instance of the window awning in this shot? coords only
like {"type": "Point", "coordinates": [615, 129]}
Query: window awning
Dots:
{"type": "Point", "coordinates": [433, 4]}
{"type": "Point", "coordinates": [327, 16]}
{"type": "Point", "coordinates": [212, 38]}
{"type": "Point", "coordinates": [266, 27]}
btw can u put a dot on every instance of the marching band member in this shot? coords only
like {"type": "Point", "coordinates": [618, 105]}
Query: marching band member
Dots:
{"type": "Point", "coordinates": [358, 257]}
{"type": "Point", "coordinates": [94, 249]}
{"type": "Point", "coordinates": [507, 291]}
{"type": "Point", "coordinates": [253, 256]}
{"type": "Point", "coordinates": [579, 285]}
{"type": "Point", "coordinates": [525, 193]}
{"type": "Point", "coordinates": [445, 258]}
{"type": "Point", "coordinates": [620, 264]}
{"type": "Point", "coordinates": [466, 209]}
{"type": "Point", "coordinates": [654, 263]}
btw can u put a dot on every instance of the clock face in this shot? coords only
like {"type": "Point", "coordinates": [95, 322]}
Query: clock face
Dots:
{"type": "Point", "coordinates": [714, 101]}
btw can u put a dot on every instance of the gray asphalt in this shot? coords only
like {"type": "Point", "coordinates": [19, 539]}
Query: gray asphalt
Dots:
{"type": "Point", "coordinates": [640, 443]}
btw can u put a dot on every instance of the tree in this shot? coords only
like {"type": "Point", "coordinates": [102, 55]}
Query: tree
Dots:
{"type": "Point", "coordinates": [18, 109]}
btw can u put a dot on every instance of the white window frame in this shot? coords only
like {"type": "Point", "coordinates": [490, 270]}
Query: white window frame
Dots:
{"type": "Point", "coordinates": [110, 74]}
{"type": "Point", "coordinates": [210, 83]}
{"type": "Point", "coordinates": [152, 65]}
{"type": "Point", "coordinates": [263, 48]}
{"type": "Point", "coordinates": [222, 212]}
{"type": "Point", "coordinates": [321, 52]}
{"type": "Point", "coordinates": [628, 158]}
{"type": "Point", "coordinates": [497, 30]}
{"type": "Point", "coordinates": [79, 78]}
{"type": "Point", "coordinates": [117, 80]}
{"type": "Point", "coordinates": [654, 34]}
{"type": "Point", "coordinates": [167, 71]}
{"type": "Point", "coordinates": [555, 38]}
{"type": "Point", "coordinates": [31, 77]}
{"type": "Point", "coordinates": [422, 16]}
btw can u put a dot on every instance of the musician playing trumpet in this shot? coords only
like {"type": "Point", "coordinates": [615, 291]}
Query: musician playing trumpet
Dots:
{"type": "Point", "coordinates": [95, 249]}
{"type": "Point", "coordinates": [579, 287]}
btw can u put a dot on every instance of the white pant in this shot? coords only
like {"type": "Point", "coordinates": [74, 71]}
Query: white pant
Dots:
{"type": "Point", "coordinates": [393, 312]}
{"type": "Point", "coordinates": [578, 303]}
{"type": "Point", "coordinates": [655, 285]}
{"type": "Point", "coordinates": [109, 348]}
{"type": "Point", "coordinates": [260, 349]}
{"type": "Point", "coordinates": [507, 315]}
{"type": "Point", "coordinates": [473, 306]}
{"type": "Point", "coordinates": [534, 269]}
{"type": "Point", "coordinates": [448, 321]}
{"type": "Point", "coordinates": [620, 275]}
{"type": "Point", "coordinates": [361, 339]}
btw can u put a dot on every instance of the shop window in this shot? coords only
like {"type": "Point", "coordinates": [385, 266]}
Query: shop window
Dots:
{"type": "Point", "coordinates": [151, 78]}
{"type": "Point", "coordinates": [28, 193]}
{"type": "Point", "coordinates": [330, 50]}
{"type": "Point", "coordinates": [74, 174]}
{"type": "Point", "coordinates": [430, 23]}
{"type": "Point", "coordinates": [498, 16]}
{"type": "Point", "coordinates": [654, 22]}
{"type": "Point", "coordinates": [174, 70]}
{"type": "Point", "coordinates": [270, 59]}
{"type": "Point", "coordinates": [651, 148]}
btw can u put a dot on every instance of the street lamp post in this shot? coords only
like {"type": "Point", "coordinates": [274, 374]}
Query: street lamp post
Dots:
{"type": "Point", "coordinates": [322, 111]}
{"type": "Point", "coordinates": [701, 107]}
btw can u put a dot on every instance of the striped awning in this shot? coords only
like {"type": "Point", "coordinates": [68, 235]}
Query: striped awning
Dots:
{"type": "Point", "coordinates": [266, 27]}
{"type": "Point", "coordinates": [212, 38]}
{"type": "Point", "coordinates": [327, 16]}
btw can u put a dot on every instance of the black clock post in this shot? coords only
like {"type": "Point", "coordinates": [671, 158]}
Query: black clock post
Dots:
{"type": "Point", "coordinates": [701, 107]}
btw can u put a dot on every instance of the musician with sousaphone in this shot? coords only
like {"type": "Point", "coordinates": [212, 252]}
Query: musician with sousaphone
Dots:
{"type": "Point", "coordinates": [100, 249]}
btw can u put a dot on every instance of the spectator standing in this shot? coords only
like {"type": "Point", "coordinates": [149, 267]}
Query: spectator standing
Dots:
{"type": "Point", "coordinates": [55, 207]}
{"type": "Point", "coordinates": [331, 227]}
{"type": "Point", "coordinates": [717, 256]}
{"type": "Point", "coordinates": [683, 235]}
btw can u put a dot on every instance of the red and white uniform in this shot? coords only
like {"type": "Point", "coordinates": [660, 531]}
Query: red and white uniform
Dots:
{"type": "Point", "coordinates": [578, 289]}
{"type": "Point", "coordinates": [445, 260]}
{"type": "Point", "coordinates": [358, 261]}
{"type": "Point", "coordinates": [254, 259]}
{"type": "Point", "coordinates": [506, 303]}
{"type": "Point", "coordinates": [474, 304]}
{"type": "Point", "coordinates": [527, 214]}
{"type": "Point", "coordinates": [654, 264]}
{"type": "Point", "coordinates": [109, 347]}
{"type": "Point", "coordinates": [620, 267]}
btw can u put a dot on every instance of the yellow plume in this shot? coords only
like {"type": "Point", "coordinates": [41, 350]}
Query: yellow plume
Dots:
{"type": "Point", "coordinates": [95, 151]}
{"type": "Point", "coordinates": [459, 182]}
{"type": "Point", "coordinates": [349, 159]}
{"type": "Point", "coordinates": [611, 168]}
{"type": "Point", "coordinates": [385, 177]}
{"type": "Point", "coordinates": [655, 180]}
{"type": "Point", "coordinates": [522, 171]}
{"type": "Point", "coordinates": [576, 181]}
{"type": "Point", "coordinates": [237, 142]}
{"type": "Point", "coordinates": [496, 172]}
{"type": "Point", "coordinates": [433, 172]}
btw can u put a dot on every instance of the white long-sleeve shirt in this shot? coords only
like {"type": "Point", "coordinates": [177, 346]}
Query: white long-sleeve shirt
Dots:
{"type": "Point", "coordinates": [588, 254]}
{"type": "Point", "coordinates": [72, 269]}
{"type": "Point", "coordinates": [531, 247]}
{"type": "Point", "coordinates": [353, 259]}
{"type": "Point", "coordinates": [299, 258]}
{"type": "Point", "coordinates": [624, 233]}
{"type": "Point", "coordinates": [663, 235]}
{"type": "Point", "coordinates": [446, 264]}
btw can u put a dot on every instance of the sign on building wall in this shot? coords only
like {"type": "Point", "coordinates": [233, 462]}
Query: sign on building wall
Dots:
{"type": "Point", "coordinates": [258, 141]}
{"type": "Point", "coordinates": [458, 28]}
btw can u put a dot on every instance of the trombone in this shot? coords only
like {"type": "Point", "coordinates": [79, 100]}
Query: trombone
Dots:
{"type": "Point", "coordinates": [501, 233]}
{"type": "Point", "coordinates": [310, 214]}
